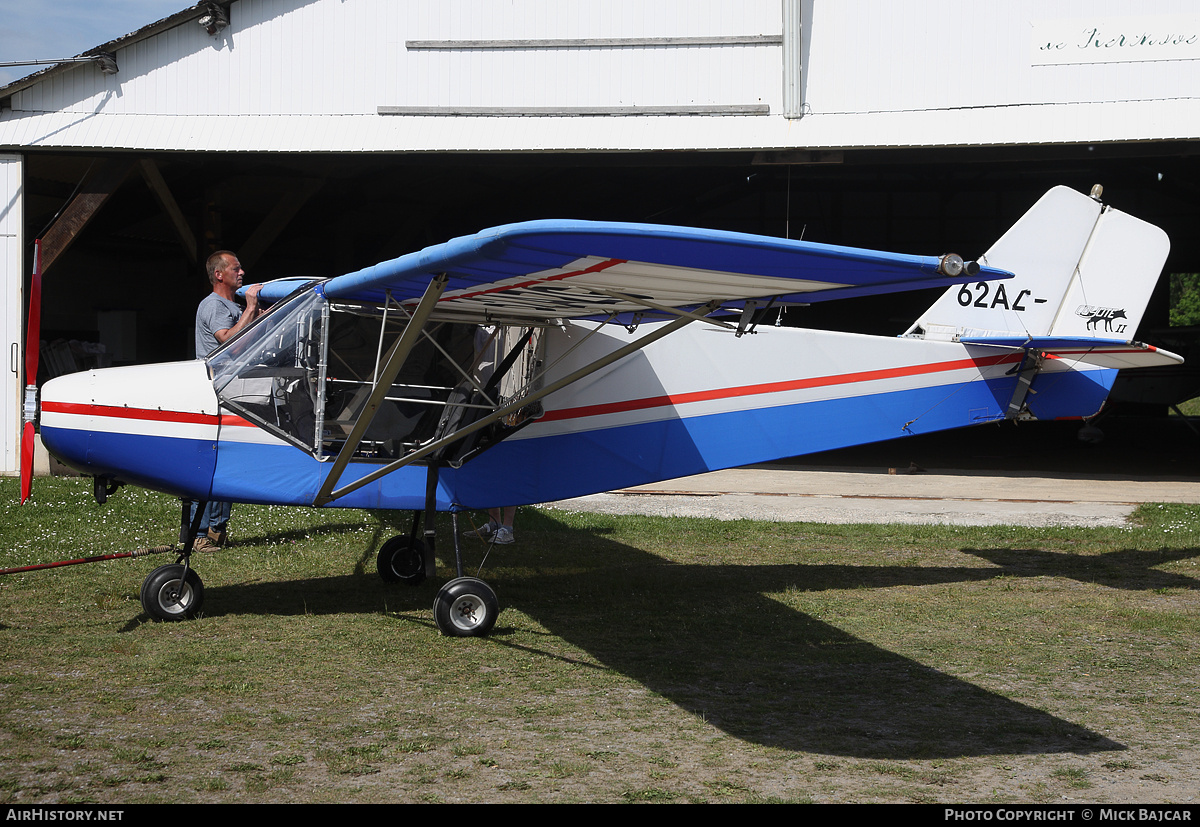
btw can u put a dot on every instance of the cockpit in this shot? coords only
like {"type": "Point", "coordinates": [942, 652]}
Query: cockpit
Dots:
{"type": "Point", "coordinates": [306, 370]}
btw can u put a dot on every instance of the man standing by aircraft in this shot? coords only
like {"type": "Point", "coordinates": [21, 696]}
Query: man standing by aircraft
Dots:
{"type": "Point", "coordinates": [219, 318]}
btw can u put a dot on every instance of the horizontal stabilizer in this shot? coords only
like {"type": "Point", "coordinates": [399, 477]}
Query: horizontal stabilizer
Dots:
{"type": "Point", "coordinates": [1107, 353]}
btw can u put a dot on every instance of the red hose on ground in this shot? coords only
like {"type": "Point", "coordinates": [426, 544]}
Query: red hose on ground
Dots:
{"type": "Point", "coordinates": [141, 552]}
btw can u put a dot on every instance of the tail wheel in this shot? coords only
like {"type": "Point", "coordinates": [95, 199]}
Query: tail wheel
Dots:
{"type": "Point", "coordinates": [402, 560]}
{"type": "Point", "coordinates": [170, 594]}
{"type": "Point", "coordinates": [466, 607]}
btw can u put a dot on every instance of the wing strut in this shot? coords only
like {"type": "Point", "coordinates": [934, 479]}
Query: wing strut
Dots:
{"type": "Point", "coordinates": [324, 497]}
{"type": "Point", "coordinates": [395, 360]}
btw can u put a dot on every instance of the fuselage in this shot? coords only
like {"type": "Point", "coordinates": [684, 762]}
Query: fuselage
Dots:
{"type": "Point", "coordinates": [698, 400]}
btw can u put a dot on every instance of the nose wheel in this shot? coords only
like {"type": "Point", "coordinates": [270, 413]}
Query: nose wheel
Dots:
{"type": "Point", "coordinates": [172, 592]}
{"type": "Point", "coordinates": [175, 592]}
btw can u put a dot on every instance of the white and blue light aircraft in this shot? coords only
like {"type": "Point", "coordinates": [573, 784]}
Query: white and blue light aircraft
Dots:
{"type": "Point", "coordinates": [625, 357]}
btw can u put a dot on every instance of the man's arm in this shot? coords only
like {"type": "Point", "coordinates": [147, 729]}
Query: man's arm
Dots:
{"type": "Point", "coordinates": [252, 312]}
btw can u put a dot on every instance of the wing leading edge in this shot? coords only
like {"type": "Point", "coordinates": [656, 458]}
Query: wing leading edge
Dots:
{"type": "Point", "coordinates": [578, 269]}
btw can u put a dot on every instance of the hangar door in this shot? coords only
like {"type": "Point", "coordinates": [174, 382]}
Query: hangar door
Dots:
{"type": "Point", "coordinates": [10, 311]}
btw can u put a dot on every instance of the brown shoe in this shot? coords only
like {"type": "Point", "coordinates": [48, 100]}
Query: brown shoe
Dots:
{"type": "Point", "coordinates": [218, 537]}
{"type": "Point", "coordinates": [205, 544]}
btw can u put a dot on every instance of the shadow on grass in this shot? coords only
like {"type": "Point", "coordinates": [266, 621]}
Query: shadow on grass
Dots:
{"type": "Point", "coordinates": [709, 639]}
{"type": "Point", "coordinates": [1124, 569]}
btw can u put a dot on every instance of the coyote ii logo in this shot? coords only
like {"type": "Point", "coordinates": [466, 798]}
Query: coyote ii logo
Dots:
{"type": "Point", "coordinates": [1111, 316]}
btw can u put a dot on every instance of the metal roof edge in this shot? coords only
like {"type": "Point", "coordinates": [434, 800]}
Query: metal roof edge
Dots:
{"type": "Point", "coordinates": [190, 13]}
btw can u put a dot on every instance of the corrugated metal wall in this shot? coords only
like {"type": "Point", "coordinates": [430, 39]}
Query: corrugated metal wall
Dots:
{"type": "Point", "coordinates": [384, 75]}
{"type": "Point", "coordinates": [882, 56]}
{"type": "Point", "coordinates": [348, 57]}
{"type": "Point", "coordinates": [586, 54]}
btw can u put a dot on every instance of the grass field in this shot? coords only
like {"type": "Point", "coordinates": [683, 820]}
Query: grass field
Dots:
{"type": "Point", "coordinates": [635, 659]}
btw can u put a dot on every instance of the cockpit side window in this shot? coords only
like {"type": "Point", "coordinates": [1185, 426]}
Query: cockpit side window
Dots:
{"type": "Point", "coordinates": [305, 373]}
{"type": "Point", "coordinates": [360, 339]}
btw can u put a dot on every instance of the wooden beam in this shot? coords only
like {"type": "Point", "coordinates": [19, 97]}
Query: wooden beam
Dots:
{"type": "Point", "coordinates": [103, 180]}
{"type": "Point", "coordinates": [277, 220]}
{"type": "Point", "coordinates": [167, 201]}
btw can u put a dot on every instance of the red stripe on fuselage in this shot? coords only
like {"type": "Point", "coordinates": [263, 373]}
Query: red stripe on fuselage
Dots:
{"type": "Point", "coordinates": [151, 414]}
{"type": "Point", "coordinates": [82, 409]}
{"type": "Point", "coordinates": [776, 387]}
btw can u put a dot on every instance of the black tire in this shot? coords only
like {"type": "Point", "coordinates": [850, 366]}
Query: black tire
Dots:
{"type": "Point", "coordinates": [169, 595]}
{"type": "Point", "coordinates": [402, 561]}
{"type": "Point", "coordinates": [466, 607]}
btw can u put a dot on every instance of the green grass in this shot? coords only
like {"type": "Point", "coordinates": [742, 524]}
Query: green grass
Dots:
{"type": "Point", "coordinates": [635, 659]}
{"type": "Point", "coordinates": [1190, 408]}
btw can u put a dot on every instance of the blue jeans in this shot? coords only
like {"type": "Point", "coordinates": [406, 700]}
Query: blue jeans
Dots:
{"type": "Point", "coordinates": [216, 517]}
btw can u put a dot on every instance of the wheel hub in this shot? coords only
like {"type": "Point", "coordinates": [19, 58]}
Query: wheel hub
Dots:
{"type": "Point", "coordinates": [467, 612]}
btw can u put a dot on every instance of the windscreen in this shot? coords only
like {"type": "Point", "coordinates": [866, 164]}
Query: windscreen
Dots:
{"type": "Point", "coordinates": [271, 374]}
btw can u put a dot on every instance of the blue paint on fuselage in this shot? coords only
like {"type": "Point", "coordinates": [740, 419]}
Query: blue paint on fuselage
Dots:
{"type": "Point", "coordinates": [553, 467]}
{"type": "Point", "coordinates": [1069, 394]}
{"type": "Point", "coordinates": [180, 467]}
{"type": "Point", "coordinates": [570, 465]}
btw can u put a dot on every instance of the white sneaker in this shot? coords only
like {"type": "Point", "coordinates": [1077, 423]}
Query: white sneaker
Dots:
{"type": "Point", "coordinates": [484, 532]}
{"type": "Point", "coordinates": [503, 536]}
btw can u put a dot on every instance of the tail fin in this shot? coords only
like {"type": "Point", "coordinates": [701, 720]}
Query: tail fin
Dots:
{"type": "Point", "coordinates": [1083, 271]}
{"type": "Point", "coordinates": [1083, 277]}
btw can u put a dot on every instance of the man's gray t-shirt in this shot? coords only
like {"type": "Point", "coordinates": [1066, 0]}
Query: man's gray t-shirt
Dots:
{"type": "Point", "coordinates": [214, 313]}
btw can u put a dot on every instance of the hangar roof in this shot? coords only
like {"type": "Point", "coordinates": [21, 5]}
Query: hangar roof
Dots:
{"type": "Point", "coordinates": [107, 48]}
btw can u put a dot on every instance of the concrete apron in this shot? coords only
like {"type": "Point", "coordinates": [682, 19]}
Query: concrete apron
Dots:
{"type": "Point", "coordinates": [907, 496]}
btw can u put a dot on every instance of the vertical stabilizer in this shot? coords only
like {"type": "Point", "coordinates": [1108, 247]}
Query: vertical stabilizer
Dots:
{"type": "Point", "coordinates": [1083, 270]}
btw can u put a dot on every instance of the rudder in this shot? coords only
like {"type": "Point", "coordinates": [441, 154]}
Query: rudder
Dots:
{"type": "Point", "coordinates": [1082, 270]}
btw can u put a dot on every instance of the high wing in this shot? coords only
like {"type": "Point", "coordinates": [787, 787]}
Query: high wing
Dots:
{"type": "Point", "coordinates": [579, 269]}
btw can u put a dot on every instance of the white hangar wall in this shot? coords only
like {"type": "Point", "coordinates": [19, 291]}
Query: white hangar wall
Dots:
{"type": "Point", "coordinates": [11, 270]}
{"type": "Point", "coordinates": [474, 75]}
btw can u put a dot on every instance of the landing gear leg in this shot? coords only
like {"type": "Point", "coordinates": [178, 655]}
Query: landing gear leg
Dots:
{"type": "Point", "coordinates": [431, 480]}
{"type": "Point", "coordinates": [175, 592]}
{"type": "Point", "coordinates": [189, 524]}
{"type": "Point", "coordinates": [466, 606]}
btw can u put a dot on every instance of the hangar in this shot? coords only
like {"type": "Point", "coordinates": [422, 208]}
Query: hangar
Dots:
{"type": "Point", "coordinates": [318, 136]}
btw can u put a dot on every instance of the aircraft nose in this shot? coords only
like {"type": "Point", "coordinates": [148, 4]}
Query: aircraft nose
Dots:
{"type": "Point", "coordinates": [63, 434]}
{"type": "Point", "coordinates": [149, 425]}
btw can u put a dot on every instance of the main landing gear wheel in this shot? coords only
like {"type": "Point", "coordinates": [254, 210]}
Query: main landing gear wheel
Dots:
{"type": "Point", "coordinates": [402, 560]}
{"type": "Point", "coordinates": [169, 594]}
{"type": "Point", "coordinates": [466, 607]}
